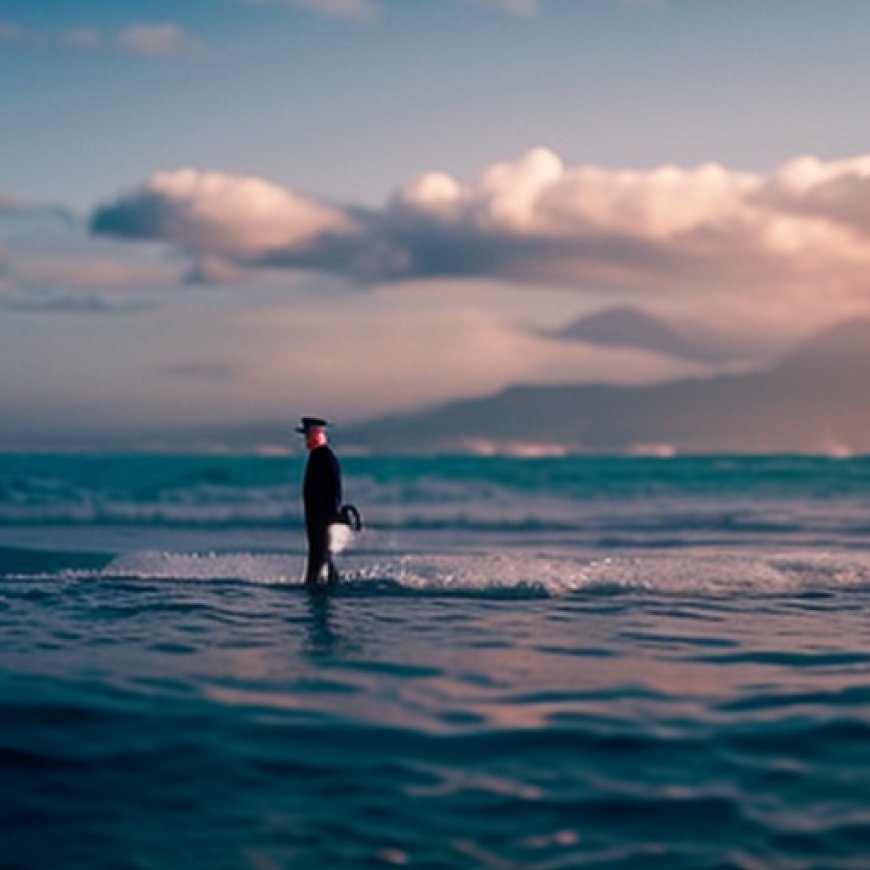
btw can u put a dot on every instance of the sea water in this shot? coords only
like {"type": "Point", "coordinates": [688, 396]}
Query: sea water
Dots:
{"type": "Point", "coordinates": [529, 663]}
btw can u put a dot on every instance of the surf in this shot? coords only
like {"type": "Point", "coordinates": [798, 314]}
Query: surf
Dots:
{"type": "Point", "coordinates": [504, 574]}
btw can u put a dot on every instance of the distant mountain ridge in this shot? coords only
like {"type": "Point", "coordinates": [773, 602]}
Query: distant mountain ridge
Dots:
{"type": "Point", "coordinates": [816, 400]}
{"type": "Point", "coordinates": [631, 328]}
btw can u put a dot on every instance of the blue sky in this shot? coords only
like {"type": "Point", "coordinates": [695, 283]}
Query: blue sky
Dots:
{"type": "Point", "coordinates": [249, 209]}
{"type": "Point", "coordinates": [350, 109]}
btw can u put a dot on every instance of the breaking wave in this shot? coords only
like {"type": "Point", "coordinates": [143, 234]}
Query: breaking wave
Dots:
{"type": "Point", "coordinates": [512, 574]}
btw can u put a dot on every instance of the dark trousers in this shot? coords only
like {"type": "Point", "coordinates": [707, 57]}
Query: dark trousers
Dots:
{"type": "Point", "coordinates": [319, 556]}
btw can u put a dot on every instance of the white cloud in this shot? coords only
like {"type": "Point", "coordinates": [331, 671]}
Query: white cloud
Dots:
{"type": "Point", "coordinates": [508, 193]}
{"type": "Point", "coordinates": [163, 39]}
{"type": "Point", "coordinates": [219, 214]}
{"type": "Point", "coordinates": [799, 236]}
{"type": "Point", "coordinates": [837, 191]}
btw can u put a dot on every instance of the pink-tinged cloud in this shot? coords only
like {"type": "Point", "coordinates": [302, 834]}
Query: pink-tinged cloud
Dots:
{"type": "Point", "coordinates": [48, 262]}
{"type": "Point", "coordinates": [13, 207]}
{"type": "Point", "coordinates": [163, 39]}
{"type": "Point", "coordinates": [349, 10]}
{"type": "Point", "coordinates": [82, 272]}
{"type": "Point", "coordinates": [520, 8]}
{"type": "Point", "coordinates": [234, 217]}
{"type": "Point", "coordinates": [534, 221]}
{"type": "Point", "coordinates": [368, 10]}
{"type": "Point", "coordinates": [838, 191]}
{"type": "Point", "coordinates": [342, 10]}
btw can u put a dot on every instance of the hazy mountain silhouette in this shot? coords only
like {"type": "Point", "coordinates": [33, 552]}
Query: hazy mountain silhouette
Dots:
{"type": "Point", "coordinates": [815, 400]}
{"type": "Point", "coordinates": [631, 328]}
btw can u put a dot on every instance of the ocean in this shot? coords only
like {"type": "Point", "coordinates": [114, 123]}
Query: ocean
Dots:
{"type": "Point", "coordinates": [538, 663]}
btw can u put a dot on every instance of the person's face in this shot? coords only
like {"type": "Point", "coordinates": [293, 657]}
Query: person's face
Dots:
{"type": "Point", "coordinates": [315, 437]}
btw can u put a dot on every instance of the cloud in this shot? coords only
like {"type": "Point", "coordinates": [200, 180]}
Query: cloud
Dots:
{"type": "Point", "coordinates": [343, 10]}
{"type": "Point", "coordinates": [164, 39]}
{"type": "Point", "coordinates": [835, 191]}
{"type": "Point", "coordinates": [15, 211]}
{"type": "Point", "coordinates": [49, 262]}
{"type": "Point", "coordinates": [68, 285]}
{"type": "Point", "coordinates": [802, 229]}
{"type": "Point", "coordinates": [235, 217]}
{"type": "Point", "coordinates": [85, 272]}
{"type": "Point", "coordinates": [348, 10]}
{"type": "Point", "coordinates": [13, 207]}
{"type": "Point", "coordinates": [155, 40]}
{"type": "Point", "coordinates": [50, 301]}
{"type": "Point", "coordinates": [395, 348]}
{"type": "Point", "coordinates": [520, 8]}
{"type": "Point", "coordinates": [368, 10]}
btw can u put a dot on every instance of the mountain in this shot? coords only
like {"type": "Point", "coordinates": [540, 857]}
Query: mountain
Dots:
{"type": "Point", "coordinates": [630, 328]}
{"type": "Point", "coordinates": [815, 400]}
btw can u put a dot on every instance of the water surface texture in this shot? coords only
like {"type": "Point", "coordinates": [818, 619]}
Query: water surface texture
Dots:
{"type": "Point", "coordinates": [531, 663]}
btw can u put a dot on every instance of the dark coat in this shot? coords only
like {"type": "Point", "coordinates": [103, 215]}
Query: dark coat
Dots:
{"type": "Point", "coordinates": [321, 491]}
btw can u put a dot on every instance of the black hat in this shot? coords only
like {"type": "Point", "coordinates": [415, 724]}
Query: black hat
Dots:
{"type": "Point", "coordinates": [309, 423]}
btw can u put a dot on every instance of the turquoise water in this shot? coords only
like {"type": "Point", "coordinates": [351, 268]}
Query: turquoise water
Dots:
{"type": "Point", "coordinates": [547, 663]}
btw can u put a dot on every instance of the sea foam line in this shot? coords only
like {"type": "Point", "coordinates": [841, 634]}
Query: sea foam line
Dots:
{"type": "Point", "coordinates": [539, 574]}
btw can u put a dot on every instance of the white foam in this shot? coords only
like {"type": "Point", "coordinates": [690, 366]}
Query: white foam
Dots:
{"type": "Point", "coordinates": [527, 573]}
{"type": "Point", "coordinates": [251, 567]}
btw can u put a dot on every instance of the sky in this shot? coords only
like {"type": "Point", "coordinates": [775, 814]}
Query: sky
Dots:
{"type": "Point", "coordinates": [228, 211]}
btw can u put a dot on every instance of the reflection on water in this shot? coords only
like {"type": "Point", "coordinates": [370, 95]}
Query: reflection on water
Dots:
{"type": "Point", "coordinates": [322, 638]}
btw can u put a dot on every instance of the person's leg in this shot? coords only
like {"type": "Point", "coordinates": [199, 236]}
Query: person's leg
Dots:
{"type": "Point", "coordinates": [318, 556]}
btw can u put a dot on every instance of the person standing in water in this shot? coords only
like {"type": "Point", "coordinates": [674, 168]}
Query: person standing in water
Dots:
{"type": "Point", "coordinates": [321, 494]}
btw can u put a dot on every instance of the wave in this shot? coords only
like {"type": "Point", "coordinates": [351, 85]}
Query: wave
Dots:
{"type": "Point", "coordinates": [701, 574]}
{"type": "Point", "coordinates": [511, 574]}
{"type": "Point", "coordinates": [187, 510]}
{"type": "Point", "coordinates": [604, 524]}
